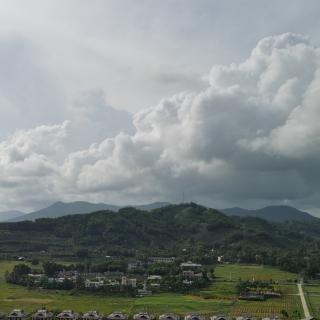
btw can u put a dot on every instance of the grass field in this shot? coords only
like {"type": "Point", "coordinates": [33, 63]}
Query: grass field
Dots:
{"type": "Point", "coordinates": [220, 297]}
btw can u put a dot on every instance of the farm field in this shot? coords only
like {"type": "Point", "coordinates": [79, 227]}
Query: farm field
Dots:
{"type": "Point", "coordinates": [312, 293]}
{"type": "Point", "coordinates": [269, 307]}
{"type": "Point", "coordinates": [220, 297]}
{"type": "Point", "coordinates": [233, 272]}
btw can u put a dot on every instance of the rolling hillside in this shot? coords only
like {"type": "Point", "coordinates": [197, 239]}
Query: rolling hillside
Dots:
{"type": "Point", "coordinates": [166, 230]}
{"type": "Point", "coordinates": [272, 213]}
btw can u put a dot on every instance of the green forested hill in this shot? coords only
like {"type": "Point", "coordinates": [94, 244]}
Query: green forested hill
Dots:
{"type": "Point", "coordinates": [166, 231]}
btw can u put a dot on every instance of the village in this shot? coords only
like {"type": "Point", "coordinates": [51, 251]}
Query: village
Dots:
{"type": "Point", "coordinates": [139, 278]}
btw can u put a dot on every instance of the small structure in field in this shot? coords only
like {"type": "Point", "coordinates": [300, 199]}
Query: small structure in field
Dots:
{"type": "Point", "coordinates": [194, 317]}
{"type": "Point", "coordinates": [143, 316]}
{"type": "Point", "coordinates": [117, 316]}
{"type": "Point", "coordinates": [169, 316]}
{"type": "Point", "coordinates": [67, 315]}
{"type": "Point", "coordinates": [92, 315]}
{"type": "Point", "coordinates": [17, 314]}
{"type": "Point", "coordinates": [42, 314]}
{"type": "Point", "coordinates": [245, 318]}
{"type": "Point", "coordinates": [252, 296]}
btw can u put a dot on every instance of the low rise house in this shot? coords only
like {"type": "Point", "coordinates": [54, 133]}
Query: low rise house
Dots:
{"type": "Point", "coordinates": [68, 274]}
{"type": "Point", "coordinates": [133, 265]}
{"type": "Point", "coordinates": [169, 316]}
{"type": "Point", "coordinates": [112, 283]}
{"type": "Point", "coordinates": [220, 259]}
{"type": "Point", "coordinates": [67, 315]}
{"type": "Point", "coordinates": [154, 281]}
{"type": "Point", "coordinates": [17, 314]}
{"type": "Point", "coordinates": [37, 277]}
{"type": "Point", "coordinates": [187, 282]}
{"type": "Point", "coordinates": [194, 317]}
{"type": "Point", "coordinates": [154, 278]}
{"type": "Point", "coordinates": [162, 259]}
{"type": "Point", "coordinates": [190, 266]}
{"type": "Point", "coordinates": [143, 292]}
{"type": "Point", "coordinates": [117, 316]}
{"type": "Point", "coordinates": [42, 314]}
{"type": "Point", "coordinates": [91, 284]}
{"type": "Point", "coordinates": [128, 282]}
{"type": "Point", "coordinates": [219, 317]}
{"type": "Point", "coordinates": [143, 316]}
{"type": "Point", "coordinates": [92, 315]}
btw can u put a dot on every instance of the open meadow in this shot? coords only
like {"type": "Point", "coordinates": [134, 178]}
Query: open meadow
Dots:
{"type": "Point", "coordinates": [220, 297]}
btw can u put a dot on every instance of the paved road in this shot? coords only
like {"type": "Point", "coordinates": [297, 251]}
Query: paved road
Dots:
{"type": "Point", "coordinates": [303, 301]}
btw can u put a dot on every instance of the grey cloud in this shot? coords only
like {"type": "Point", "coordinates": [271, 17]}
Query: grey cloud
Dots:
{"type": "Point", "coordinates": [28, 94]}
{"type": "Point", "coordinates": [92, 120]}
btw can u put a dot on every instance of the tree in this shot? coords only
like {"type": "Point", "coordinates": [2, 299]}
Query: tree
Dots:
{"type": "Point", "coordinates": [21, 269]}
{"type": "Point", "coordinates": [51, 268]}
{"type": "Point", "coordinates": [82, 253]}
{"type": "Point", "coordinates": [285, 314]}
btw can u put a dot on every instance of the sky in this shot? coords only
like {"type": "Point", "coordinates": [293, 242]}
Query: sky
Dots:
{"type": "Point", "coordinates": [129, 102]}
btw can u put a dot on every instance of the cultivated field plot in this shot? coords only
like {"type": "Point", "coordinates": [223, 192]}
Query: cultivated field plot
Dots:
{"type": "Point", "coordinates": [291, 304]}
{"type": "Point", "coordinates": [248, 272]}
{"type": "Point", "coordinates": [312, 293]}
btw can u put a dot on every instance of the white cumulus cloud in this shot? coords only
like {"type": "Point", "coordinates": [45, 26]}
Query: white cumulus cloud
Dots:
{"type": "Point", "coordinates": [251, 137]}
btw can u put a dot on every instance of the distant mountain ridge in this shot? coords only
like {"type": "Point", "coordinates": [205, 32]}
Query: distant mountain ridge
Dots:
{"type": "Point", "coordinates": [60, 209]}
{"type": "Point", "coordinates": [271, 213]}
{"type": "Point", "coordinates": [11, 214]}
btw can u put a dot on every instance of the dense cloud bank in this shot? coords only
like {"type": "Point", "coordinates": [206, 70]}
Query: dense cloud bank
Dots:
{"type": "Point", "coordinates": [252, 136]}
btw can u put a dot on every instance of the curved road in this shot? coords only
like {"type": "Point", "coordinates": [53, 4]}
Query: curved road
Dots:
{"type": "Point", "coordinates": [303, 302]}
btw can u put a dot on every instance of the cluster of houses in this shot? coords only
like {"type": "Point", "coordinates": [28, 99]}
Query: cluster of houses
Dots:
{"type": "Point", "coordinates": [143, 283]}
{"type": "Point", "coordinates": [44, 314]}
{"type": "Point", "coordinates": [190, 271]}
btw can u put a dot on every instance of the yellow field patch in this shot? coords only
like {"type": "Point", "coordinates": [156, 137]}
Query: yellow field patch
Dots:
{"type": "Point", "coordinates": [30, 300]}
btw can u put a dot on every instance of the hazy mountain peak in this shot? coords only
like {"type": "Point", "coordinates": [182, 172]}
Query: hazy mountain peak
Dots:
{"type": "Point", "coordinates": [10, 214]}
{"type": "Point", "coordinates": [60, 208]}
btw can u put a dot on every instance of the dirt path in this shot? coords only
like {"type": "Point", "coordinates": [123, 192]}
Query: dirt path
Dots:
{"type": "Point", "coordinates": [303, 301]}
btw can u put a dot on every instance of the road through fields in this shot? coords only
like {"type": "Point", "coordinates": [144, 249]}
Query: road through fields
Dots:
{"type": "Point", "coordinates": [303, 301]}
